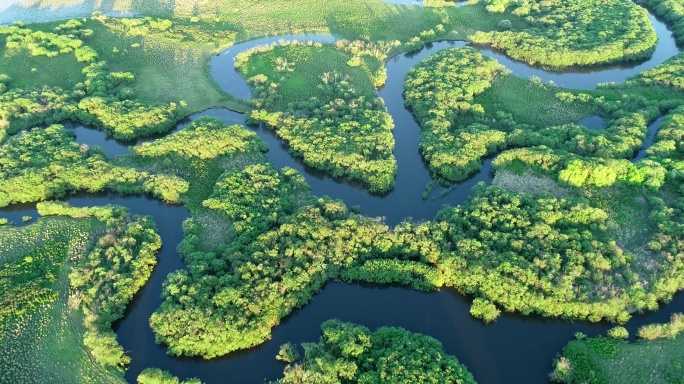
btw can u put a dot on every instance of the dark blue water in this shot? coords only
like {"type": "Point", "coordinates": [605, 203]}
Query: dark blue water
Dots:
{"type": "Point", "coordinates": [593, 122]}
{"type": "Point", "coordinates": [515, 349]}
{"type": "Point", "coordinates": [651, 134]}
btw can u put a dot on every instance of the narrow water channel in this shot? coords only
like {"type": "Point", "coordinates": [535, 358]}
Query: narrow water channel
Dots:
{"type": "Point", "coordinates": [515, 349]}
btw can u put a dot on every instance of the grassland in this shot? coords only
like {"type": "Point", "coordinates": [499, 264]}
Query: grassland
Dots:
{"type": "Point", "coordinates": [656, 358]}
{"type": "Point", "coordinates": [306, 66]}
{"type": "Point", "coordinates": [541, 107]}
{"type": "Point", "coordinates": [169, 67]}
{"type": "Point", "coordinates": [27, 70]}
{"type": "Point", "coordinates": [43, 339]}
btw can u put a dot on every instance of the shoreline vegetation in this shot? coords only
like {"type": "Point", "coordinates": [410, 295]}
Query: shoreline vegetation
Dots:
{"type": "Point", "coordinates": [58, 307]}
{"type": "Point", "coordinates": [574, 227]}
{"type": "Point", "coordinates": [655, 357]}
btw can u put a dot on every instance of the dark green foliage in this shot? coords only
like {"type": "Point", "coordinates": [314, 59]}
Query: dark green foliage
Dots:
{"type": "Point", "coordinates": [39, 332]}
{"type": "Point", "coordinates": [603, 346]}
{"type": "Point", "coordinates": [607, 360]}
{"type": "Point", "coordinates": [578, 366]}
{"type": "Point", "coordinates": [350, 353]}
{"type": "Point", "coordinates": [440, 91]}
{"type": "Point", "coordinates": [563, 33]}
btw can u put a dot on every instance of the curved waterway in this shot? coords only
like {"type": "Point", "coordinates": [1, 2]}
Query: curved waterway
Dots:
{"type": "Point", "coordinates": [515, 349]}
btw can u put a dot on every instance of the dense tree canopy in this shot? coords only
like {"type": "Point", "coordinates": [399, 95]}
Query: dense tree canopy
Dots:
{"type": "Point", "coordinates": [439, 91]}
{"type": "Point", "coordinates": [45, 163]}
{"type": "Point", "coordinates": [205, 138]}
{"type": "Point", "coordinates": [320, 102]}
{"type": "Point", "coordinates": [563, 33]}
{"type": "Point", "coordinates": [350, 353]}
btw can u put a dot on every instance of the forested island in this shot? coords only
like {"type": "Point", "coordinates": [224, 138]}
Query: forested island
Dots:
{"type": "Point", "coordinates": [256, 130]}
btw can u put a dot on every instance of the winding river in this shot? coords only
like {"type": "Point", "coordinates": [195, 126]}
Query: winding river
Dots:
{"type": "Point", "coordinates": [516, 349]}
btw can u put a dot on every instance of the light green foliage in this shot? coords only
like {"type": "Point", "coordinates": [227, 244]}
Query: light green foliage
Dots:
{"type": "Point", "coordinates": [258, 197]}
{"type": "Point", "coordinates": [387, 271]}
{"type": "Point", "coordinates": [661, 331]}
{"type": "Point", "coordinates": [497, 6]}
{"type": "Point", "coordinates": [22, 108]}
{"type": "Point", "coordinates": [438, 3]}
{"type": "Point", "coordinates": [157, 376]}
{"type": "Point", "coordinates": [127, 251]}
{"type": "Point", "coordinates": [46, 163]}
{"type": "Point", "coordinates": [539, 250]}
{"type": "Point", "coordinates": [670, 10]}
{"type": "Point", "coordinates": [259, 245]}
{"type": "Point", "coordinates": [287, 247]}
{"type": "Point", "coordinates": [667, 148]}
{"type": "Point", "coordinates": [288, 353]}
{"type": "Point", "coordinates": [657, 359]}
{"type": "Point", "coordinates": [444, 90]}
{"type": "Point", "coordinates": [563, 33]}
{"type": "Point", "coordinates": [485, 310]}
{"type": "Point", "coordinates": [555, 257]}
{"type": "Point", "coordinates": [348, 352]}
{"type": "Point", "coordinates": [583, 158]}
{"type": "Point", "coordinates": [618, 332]}
{"type": "Point", "coordinates": [439, 91]}
{"type": "Point", "coordinates": [127, 119]}
{"type": "Point", "coordinates": [206, 138]}
{"type": "Point", "coordinates": [325, 110]}
{"type": "Point", "coordinates": [669, 74]}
